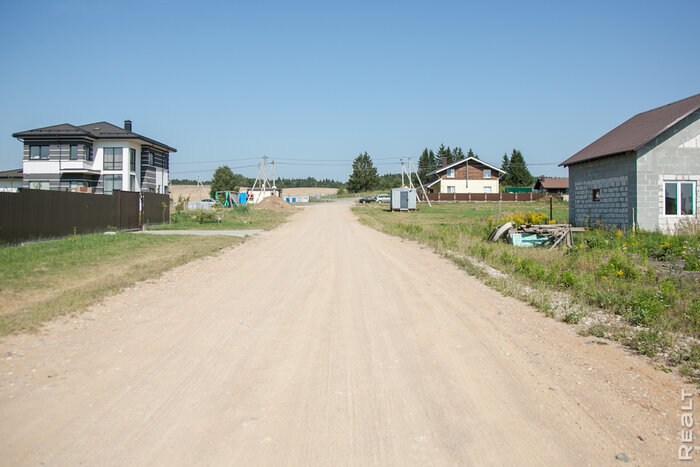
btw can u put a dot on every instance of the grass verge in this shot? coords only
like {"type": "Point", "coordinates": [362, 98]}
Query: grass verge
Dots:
{"type": "Point", "coordinates": [238, 218]}
{"type": "Point", "coordinates": [42, 281]}
{"type": "Point", "coordinates": [639, 289]}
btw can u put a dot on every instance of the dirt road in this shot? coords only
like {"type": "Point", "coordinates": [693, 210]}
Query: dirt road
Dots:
{"type": "Point", "coordinates": [324, 342]}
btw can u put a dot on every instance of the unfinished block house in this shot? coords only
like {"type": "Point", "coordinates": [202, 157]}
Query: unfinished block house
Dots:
{"type": "Point", "coordinates": [644, 172]}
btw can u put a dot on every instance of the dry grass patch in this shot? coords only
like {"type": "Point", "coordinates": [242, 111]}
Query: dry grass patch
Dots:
{"type": "Point", "coordinates": [41, 281]}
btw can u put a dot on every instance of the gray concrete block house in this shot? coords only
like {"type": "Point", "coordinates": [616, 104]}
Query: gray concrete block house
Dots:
{"type": "Point", "coordinates": [645, 171]}
{"type": "Point", "coordinates": [98, 158]}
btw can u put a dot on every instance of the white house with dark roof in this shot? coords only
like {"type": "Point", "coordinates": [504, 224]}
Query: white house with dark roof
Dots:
{"type": "Point", "coordinates": [98, 157]}
{"type": "Point", "coordinates": [645, 171]}
{"type": "Point", "coordinates": [469, 175]}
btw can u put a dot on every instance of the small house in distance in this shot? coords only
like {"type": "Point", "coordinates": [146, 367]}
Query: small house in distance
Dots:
{"type": "Point", "coordinates": [644, 172]}
{"type": "Point", "coordinates": [552, 185]}
{"type": "Point", "coordinates": [470, 175]}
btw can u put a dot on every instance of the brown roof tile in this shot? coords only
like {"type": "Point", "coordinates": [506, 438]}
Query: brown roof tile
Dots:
{"type": "Point", "coordinates": [637, 131]}
{"type": "Point", "coordinates": [553, 183]}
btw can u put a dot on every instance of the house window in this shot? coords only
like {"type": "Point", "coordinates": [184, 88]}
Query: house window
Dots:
{"type": "Point", "coordinates": [487, 173]}
{"type": "Point", "coordinates": [679, 198]}
{"type": "Point", "coordinates": [112, 159]}
{"type": "Point", "coordinates": [132, 159]}
{"type": "Point", "coordinates": [39, 152]}
{"type": "Point", "coordinates": [111, 183]}
{"type": "Point", "coordinates": [450, 189]}
{"type": "Point", "coordinates": [40, 185]}
{"type": "Point", "coordinates": [74, 152]}
{"type": "Point", "coordinates": [451, 173]}
{"type": "Point", "coordinates": [88, 152]}
{"type": "Point", "coordinates": [596, 194]}
{"type": "Point", "coordinates": [487, 189]}
{"type": "Point", "coordinates": [132, 181]}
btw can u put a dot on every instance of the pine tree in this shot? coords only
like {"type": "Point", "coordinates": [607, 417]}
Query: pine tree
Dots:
{"type": "Point", "coordinates": [444, 152]}
{"type": "Point", "coordinates": [470, 153]}
{"type": "Point", "coordinates": [364, 174]}
{"type": "Point", "coordinates": [457, 154]}
{"type": "Point", "coordinates": [505, 167]}
{"type": "Point", "coordinates": [426, 163]}
{"type": "Point", "coordinates": [519, 173]}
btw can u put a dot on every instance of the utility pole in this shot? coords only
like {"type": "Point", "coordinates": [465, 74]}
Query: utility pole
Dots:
{"type": "Point", "coordinates": [413, 168]}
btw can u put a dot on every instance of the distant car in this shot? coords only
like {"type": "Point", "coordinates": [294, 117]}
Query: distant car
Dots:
{"type": "Point", "coordinates": [383, 198]}
{"type": "Point", "coordinates": [367, 199]}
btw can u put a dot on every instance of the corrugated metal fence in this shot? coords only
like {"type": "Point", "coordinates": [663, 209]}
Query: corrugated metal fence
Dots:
{"type": "Point", "coordinates": [34, 214]}
{"type": "Point", "coordinates": [467, 197]}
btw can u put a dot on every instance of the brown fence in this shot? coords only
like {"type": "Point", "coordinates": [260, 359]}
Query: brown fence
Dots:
{"type": "Point", "coordinates": [475, 197]}
{"type": "Point", "coordinates": [155, 208]}
{"type": "Point", "coordinates": [34, 214]}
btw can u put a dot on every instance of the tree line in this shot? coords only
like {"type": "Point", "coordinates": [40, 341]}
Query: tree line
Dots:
{"type": "Point", "coordinates": [364, 175]}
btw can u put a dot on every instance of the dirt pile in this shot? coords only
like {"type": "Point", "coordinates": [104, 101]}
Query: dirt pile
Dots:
{"type": "Point", "coordinates": [273, 203]}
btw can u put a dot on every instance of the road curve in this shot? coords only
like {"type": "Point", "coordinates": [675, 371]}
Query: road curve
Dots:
{"type": "Point", "coordinates": [324, 342]}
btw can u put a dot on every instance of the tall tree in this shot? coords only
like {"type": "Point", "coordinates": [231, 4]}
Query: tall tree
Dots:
{"type": "Point", "coordinates": [505, 167]}
{"type": "Point", "coordinates": [224, 180]}
{"type": "Point", "coordinates": [444, 153]}
{"type": "Point", "coordinates": [457, 154]}
{"type": "Point", "coordinates": [426, 163]}
{"type": "Point", "coordinates": [519, 174]}
{"type": "Point", "coordinates": [364, 174]}
{"type": "Point", "coordinates": [471, 153]}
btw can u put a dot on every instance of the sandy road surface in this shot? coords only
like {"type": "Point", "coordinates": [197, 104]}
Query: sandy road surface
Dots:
{"type": "Point", "coordinates": [324, 342]}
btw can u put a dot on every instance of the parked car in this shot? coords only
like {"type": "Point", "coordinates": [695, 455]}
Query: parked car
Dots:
{"type": "Point", "coordinates": [384, 198]}
{"type": "Point", "coordinates": [367, 199]}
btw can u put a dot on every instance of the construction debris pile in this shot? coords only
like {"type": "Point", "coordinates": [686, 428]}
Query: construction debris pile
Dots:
{"type": "Point", "coordinates": [527, 235]}
{"type": "Point", "coordinates": [273, 203]}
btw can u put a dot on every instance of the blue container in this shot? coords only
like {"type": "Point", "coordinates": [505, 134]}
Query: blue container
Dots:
{"type": "Point", "coordinates": [242, 198]}
{"type": "Point", "coordinates": [294, 200]}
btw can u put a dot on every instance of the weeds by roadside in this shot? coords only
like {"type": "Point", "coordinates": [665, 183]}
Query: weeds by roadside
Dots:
{"type": "Point", "coordinates": [645, 282]}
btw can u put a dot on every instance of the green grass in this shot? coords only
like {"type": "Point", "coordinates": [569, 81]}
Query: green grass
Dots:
{"type": "Point", "coordinates": [42, 281]}
{"type": "Point", "coordinates": [239, 218]}
{"type": "Point", "coordinates": [619, 272]}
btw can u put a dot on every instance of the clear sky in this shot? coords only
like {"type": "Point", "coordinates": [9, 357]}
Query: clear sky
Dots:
{"type": "Point", "coordinates": [312, 84]}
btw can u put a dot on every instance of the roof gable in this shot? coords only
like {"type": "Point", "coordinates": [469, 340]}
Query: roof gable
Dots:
{"type": "Point", "coordinates": [462, 161]}
{"type": "Point", "coordinates": [637, 131]}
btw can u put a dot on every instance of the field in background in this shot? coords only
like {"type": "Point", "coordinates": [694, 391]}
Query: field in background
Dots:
{"type": "Point", "coordinates": [639, 289]}
{"type": "Point", "coordinates": [191, 191]}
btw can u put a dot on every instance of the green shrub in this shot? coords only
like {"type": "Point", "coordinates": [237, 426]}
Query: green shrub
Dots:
{"type": "Point", "coordinates": [207, 217]}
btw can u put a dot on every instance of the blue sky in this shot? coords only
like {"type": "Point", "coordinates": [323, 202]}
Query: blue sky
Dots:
{"type": "Point", "coordinates": [312, 84]}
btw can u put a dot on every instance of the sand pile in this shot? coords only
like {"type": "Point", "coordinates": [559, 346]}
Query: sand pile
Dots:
{"type": "Point", "coordinates": [273, 203]}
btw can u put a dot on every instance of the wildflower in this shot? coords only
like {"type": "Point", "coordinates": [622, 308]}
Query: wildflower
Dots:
{"type": "Point", "coordinates": [620, 273]}
{"type": "Point", "coordinates": [665, 245]}
{"type": "Point", "coordinates": [580, 245]}
{"type": "Point", "coordinates": [618, 233]}
{"type": "Point", "coordinates": [624, 244]}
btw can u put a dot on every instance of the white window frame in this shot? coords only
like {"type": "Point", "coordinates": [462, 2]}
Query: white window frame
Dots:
{"type": "Point", "coordinates": [450, 188]}
{"type": "Point", "coordinates": [450, 173]}
{"type": "Point", "coordinates": [487, 173]}
{"type": "Point", "coordinates": [487, 189]}
{"type": "Point", "coordinates": [679, 200]}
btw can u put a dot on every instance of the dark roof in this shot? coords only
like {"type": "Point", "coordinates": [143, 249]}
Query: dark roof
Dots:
{"type": "Point", "coordinates": [6, 174]}
{"type": "Point", "coordinates": [99, 130]}
{"type": "Point", "coordinates": [462, 161]}
{"type": "Point", "coordinates": [553, 183]}
{"type": "Point", "coordinates": [637, 131]}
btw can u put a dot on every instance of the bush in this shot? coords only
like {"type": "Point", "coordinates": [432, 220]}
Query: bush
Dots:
{"type": "Point", "coordinates": [207, 217]}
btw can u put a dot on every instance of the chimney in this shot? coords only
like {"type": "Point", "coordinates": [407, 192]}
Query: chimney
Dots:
{"type": "Point", "coordinates": [444, 161]}
{"type": "Point", "coordinates": [127, 125]}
